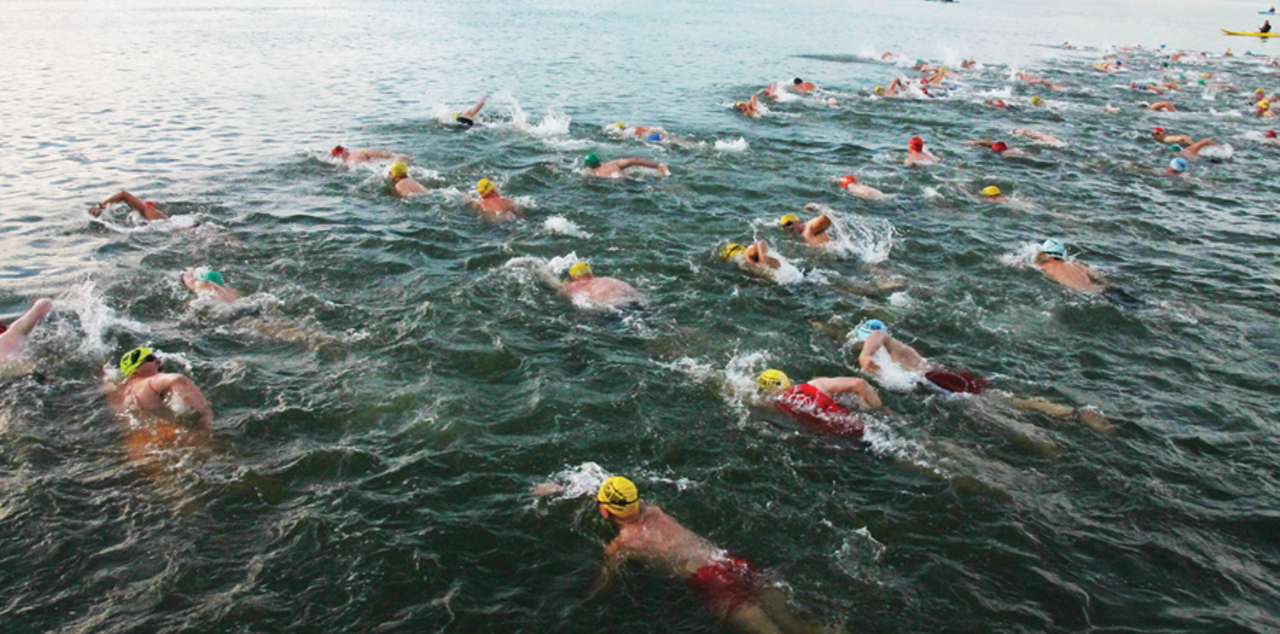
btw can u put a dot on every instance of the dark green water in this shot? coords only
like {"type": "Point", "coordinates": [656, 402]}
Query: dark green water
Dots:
{"type": "Point", "coordinates": [371, 467]}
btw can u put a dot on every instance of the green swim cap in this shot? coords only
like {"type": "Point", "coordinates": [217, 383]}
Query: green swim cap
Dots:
{"type": "Point", "coordinates": [215, 277]}
{"type": "Point", "coordinates": [1174, 147]}
{"type": "Point", "coordinates": [592, 161]}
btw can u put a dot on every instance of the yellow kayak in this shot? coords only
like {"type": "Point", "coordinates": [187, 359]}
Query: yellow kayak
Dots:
{"type": "Point", "coordinates": [1253, 34]}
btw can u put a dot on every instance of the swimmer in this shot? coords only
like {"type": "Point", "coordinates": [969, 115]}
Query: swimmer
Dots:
{"type": "Point", "coordinates": [968, 63]}
{"type": "Point", "coordinates": [938, 76]}
{"type": "Point", "coordinates": [755, 259]}
{"type": "Point", "coordinates": [1162, 136]}
{"type": "Point", "coordinates": [992, 194]}
{"type": "Point", "coordinates": [917, 155]}
{"type": "Point", "coordinates": [850, 184]}
{"type": "Point", "coordinates": [601, 290]}
{"type": "Point", "coordinates": [1037, 102]}
{"type": "Point", "coordinates": [1051, 260]}
{"type": "Point", "coordinates": [802, 87]}
{"type": "Point", "coordinates": [1113, 66]}
{"type": "Point", "coordinates": [814, 232]}
{"type": "Point", "coordinates": [811, 404]}
{"type": "Point", "coordinates": [1069, 46]}
{"type": "Point", "coordinates": [1146, 88]}
{"type": "Point", "coordinates": [1264, 110]}
{"type": "Point", "coordinates": [872, 337]}
{"type": "Point", "coordinates": [363, 155]}
{"type": "Point", "coordinates": [999, 103]}
{"type": "Point", "coordinates": [1036, 135]}
{"type": "Point", "coordinates": [1037, 81]}
{"type": "Point", "coordinates": [894, 86]}
{"type": "Point", "coordinates": [164, 411]}
{"type": "Point", "coordinates": [1178, 165]}
{"type": "Point", "coordinates": [147, 209]}
{"type": "Point", "coordinates": [614, 168]}
{"type": "Point", "coordinates": [1270, 137]}
{"type": "Point", "coordinates": [465, 120]}
{"type": "Point", "coordinates": [1193, 151]}
{"type": "Point", "coordinates": [211, 284]}
{"type": "Point", "coordinates": [492, 205]}
{"type": "Point", "coordinates": [730, 586]}
{"type": "Point", "coordinates": [750, 107]}
{"type": "Point", "coordinates": [13, 337]}
{"type": "Point", "coordinates": [1159, 106]}
{"type": "Point", "coordinates": [1000, 147]}
{"type": "Point", "coordinates": [404, 185]}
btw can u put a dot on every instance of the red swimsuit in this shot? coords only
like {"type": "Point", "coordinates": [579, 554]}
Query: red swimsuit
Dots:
{"type": "Point", "coordinates": [810, 407]}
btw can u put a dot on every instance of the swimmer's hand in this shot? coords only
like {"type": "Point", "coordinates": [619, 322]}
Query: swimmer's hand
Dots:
{"type": "Point", "coordinates": [662, 169]}
{"type": "Point", "coordinates": [869, 366]}
{"type": "Point", "coordinates": [546, 489]}
{"type": "Point", "coordinates": [95, 211]}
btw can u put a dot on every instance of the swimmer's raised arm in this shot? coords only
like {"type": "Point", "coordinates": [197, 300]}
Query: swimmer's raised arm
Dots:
{"type": "Point", "coordinates": [148, 211]}
{"type": "Point", "coordinates": [849, 385]}
{"type": "Point", "coordinates": [28, 321]}
{"type": "Point", "coordinates": [178, 386]}
{"type": "Point", "coordinates": [817, 226]}
{"type": "Point", "coordinates": [758, 253]}
{"type": "Point", "coordinates": [475, 110]}
{"type": "Point", "coordinates": [873, 344]}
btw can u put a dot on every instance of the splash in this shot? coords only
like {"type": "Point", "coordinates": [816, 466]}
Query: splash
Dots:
{"type": "Point", "coordinates": [561, 226]}
{"type": "Point", "coordinates": [1023, 258]}
{"type": "Point", "coordinates": [740, 145]}
{"type": "Point", "coordinates": [869, 239]}
{"type": "Point", "coordinates": [1222, 152]}
{"type": "Point", "coordinates": [858, 554]}
{"type": "Point", "coordinates": [141, 226]}
{"type": "Point", "coordinates": [572, 483]}
{"type": "Point", "coordinates": [96, 321]}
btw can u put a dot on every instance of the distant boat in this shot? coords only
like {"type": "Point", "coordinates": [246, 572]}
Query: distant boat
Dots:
{"type": "Point", "coordinates": [1251, 34]}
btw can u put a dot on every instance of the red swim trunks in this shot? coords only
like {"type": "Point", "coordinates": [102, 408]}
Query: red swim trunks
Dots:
{"type": "Point", "coordinates": [726, 587]}
{"type": "Point", "coordinates": [817, 411]}
{"type": "Point", "coordinates": [956, 381]}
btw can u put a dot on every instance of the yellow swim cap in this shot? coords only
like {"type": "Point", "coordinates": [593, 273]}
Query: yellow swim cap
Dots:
{"type": "Point", "coordinates": [730, 250]}
{"type": "Point", "coordinates": [740, 103]}
{"type": "Point", "coordinates": [578, 270]}
{"type": "Point", "coordinates": [771, 380]}
{"type": "Point", "coordinates": [132, 360]}
{"type": "Point", "coordinates": [1035, 99]}
{"type": "Point", "coordinates": [991, 190]}
{"type": "Point", "coordinates": [788, 219]}
{"type": "Point", "coordinates": [1204, 75]}
{"type": "Point", "coordinates": [619, 125]}
{"type": "Point", "coordinates": [484, 186]}
{"type": "Point", "coordinates": [399, 170]}
{"type": "Point", "coordinates": [1264, 104]}
{"type": "Point", "coordinates": [942, 69]}
{"type": "Point", "coordinates": [879, 89]}
{"type": "Point", "coordinates": [620, 496]}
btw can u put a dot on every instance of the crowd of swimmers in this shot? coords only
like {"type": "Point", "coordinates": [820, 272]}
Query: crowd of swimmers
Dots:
{"type": "Point", "coordinates": [168, 409]}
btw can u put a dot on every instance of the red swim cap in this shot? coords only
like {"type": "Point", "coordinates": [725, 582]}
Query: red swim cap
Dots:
{"type": "Point", "coordinates": [916, 143]}
{"type": "Point", "coordinates": [337, 150]}
{"type": "Point", "coordinates": [1271, 134]}
{"type": "Point", "coordinates": [850, 180]}
{"type": "Point", "coordinates": [999, 146]}
{"type": "Point", "coordinates": [1158, 131]}
{"type": "Point", "coordinates": [999, 103]}
{"type": "Point", "coordinates": [149, 203]}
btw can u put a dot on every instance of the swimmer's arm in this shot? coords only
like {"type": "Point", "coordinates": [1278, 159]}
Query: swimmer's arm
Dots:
{"type": "Point", "coordinates": [614, 557]}
{"type": "Point", "coordinates": [624, 163]}
{"type": "Point", "coordinates": [24, 324]}
{"type": "Point", "coordinates": [184, 388]}
{"type": "Point", "coordinates": [869, 349]}
{"type": "Point", "coordinates": [849, 385]}
{"type": "Point", "coordinates": [818, 226]}
{"type": "Point", "coordinates": [135, 203]}
{"type": "Point", "coordinates": [470, 114]}
{"type": "Point", "coordinates": [985, 144]}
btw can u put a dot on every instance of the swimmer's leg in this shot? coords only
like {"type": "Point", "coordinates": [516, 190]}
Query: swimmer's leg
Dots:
{"type": "Point", "coordinates": [1090, 416]}
{"type": "Point", "coordinates": [773, 601]}
{"type": "Point", "coordinates": [752, 620]}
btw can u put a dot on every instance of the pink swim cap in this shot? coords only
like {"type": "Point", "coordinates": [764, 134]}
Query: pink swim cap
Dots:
{"type": "Point", "coordinates": [338, 150]}
{"type": "Point", "coordinates": [916, 143]}
{"type": "Point", "coordinates": [999, 103]}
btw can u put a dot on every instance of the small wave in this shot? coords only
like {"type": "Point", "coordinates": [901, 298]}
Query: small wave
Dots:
{"type": "Point", "coordinates": [740, 145]}
{"type": "Point", "coordinates": [559, 225]}
{"type": "Point", "coordinates": [96, 321]}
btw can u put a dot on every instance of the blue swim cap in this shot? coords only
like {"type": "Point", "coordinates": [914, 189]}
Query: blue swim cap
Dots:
{"type": "Point", "coordinates": [655, 137]}
{"type": "Point", "coordinates": [869, 326]}
{"type": "Point", "coordinates": [1053, 247]}
{"type": "Point", "coordinates": [1178, 164]}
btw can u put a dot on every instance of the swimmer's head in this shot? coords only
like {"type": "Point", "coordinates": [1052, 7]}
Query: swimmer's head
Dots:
{"type": "Point", "coordinates": [869, 326]}
{"type": "Point", "coordinates": [848, 179]}
{"type": "Point", "coordinates": [1163, 64]}
{"type": "Point", "coordinates": [999, 103]}
{"type": "Point", "coordinates": [1178, 165]}
{"type": "Point", "coordinates": [1054, 248]}
{"type": "Point", "coordinates": [999, 146]}
{"type": "Point", "coordinates": [215, 277]}
{"type": "Point", "coordinates": [797, 81]}
{"type": "Point", "coordinates": [1271, 134]}
{"type": "Point", "coordinates": [1200, 82]}
{"type": "Point", "coordinates": [1264, 105]}
{"type": "Point", "coordinates": [133, 359]}
{"type": "Point", "coordinates": [1174, 147]}
{"type": "Point", "coordinates": [591, 161]}
{"type": "Point", "coordinates": [1119, 63]}
{"type": "Point", "coordinates": [655, 137]}
{"type": "Point", "coordinates": [787, 220]}
{"type": "Point", "coordinates": [916, 144]}
{"type": "Point", "coordinates": [1036, 100]}
{"type": "Point", "coordinates": [620, 125]}
{"type": "Point", "coordinates": [485, 186]}
{"type": "Point", "coordinates": [1158, 132]}
{"type": "Point", "coordinates": [579, 270]}
{"type": "Point", "coordinates": [399, 170]}
{"type": "Point", "coordinates": [919, 62]}
{"type": "Point", "coordinates": [1259, 91]}
{"type": "Point", "coordinates": [991, 191]}
{"type": "Point", "coordinates": [337, 151]}
{"type": "Point", "coordinates": [619, 496]}
{"type": "Point", "coordinates": [879, 90]}
{"type": "Point", "coordinates": [728, 251]}
{"type": "Point", "coordinates": [772, 381]}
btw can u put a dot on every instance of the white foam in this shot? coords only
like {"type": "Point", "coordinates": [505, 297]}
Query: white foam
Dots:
{"type": "Point", "coordinates": [1222, 152]}
{"type": "Point", "coordinates": [577, 482]}
{"type": "Point", "coordinates": [1023, 258]}
{"type": "Point", "coordinates": [740, 145]}
{"type": "Point", "coordinates": [900, 299]}
{"type": "Point", "coordinates": [869, 239]}
{"type": "Point", "coordinates": [559, 225]}
{"type": "Point", "coordinates": [95, 318]}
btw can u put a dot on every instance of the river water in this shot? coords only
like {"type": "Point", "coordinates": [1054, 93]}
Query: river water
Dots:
{"type": "Point", "coordinates": [406, 377]}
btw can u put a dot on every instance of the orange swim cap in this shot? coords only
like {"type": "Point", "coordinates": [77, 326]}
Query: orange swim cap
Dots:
{"type": "Point", "coordinates": [848, 180]}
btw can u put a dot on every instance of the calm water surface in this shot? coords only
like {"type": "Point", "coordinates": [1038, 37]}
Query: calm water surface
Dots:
{"type": "Point", "coordinates": [410, 378]}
